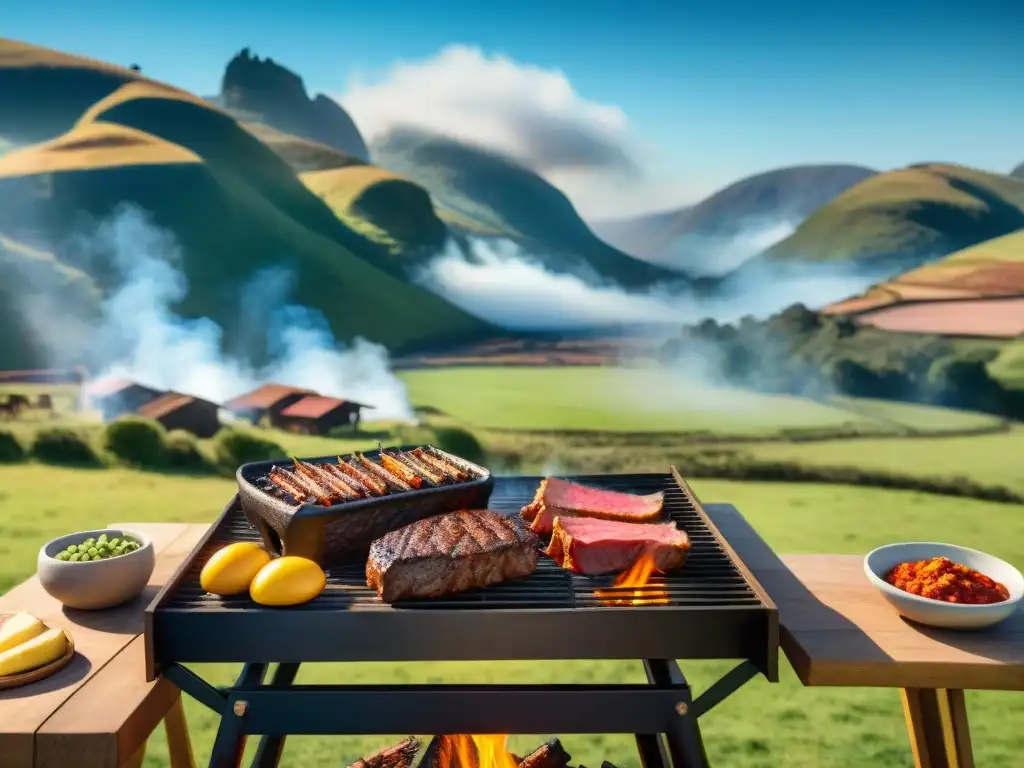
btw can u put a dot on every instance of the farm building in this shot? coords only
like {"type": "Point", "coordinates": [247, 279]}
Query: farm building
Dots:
{"type": "Point", "coordinates": [316, 415]}
{"type": "Point", "coordinates": [116, 397]}
{"type": "Point", "coordinates": [266, 402]}
{"type": "Point", "coordinates": [177, 411]}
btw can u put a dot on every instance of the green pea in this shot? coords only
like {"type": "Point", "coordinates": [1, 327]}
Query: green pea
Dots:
{"type": "Point", "coordinates": [103, 555]}
{"type": "Point", "coordinates": [63, 556]}
{"type": "Point", "coordinates": [93, 551]}
{"type": "Point", "coordinates": [72, 548]}
{"type": "Point", "coordinates": [102, 538]}
{"type": "Point", "coordinates": [85, 558]}
{"type": "Point", "coordinates": [76, 557]}
{"type": "Point", "coordinates": [114, 542]}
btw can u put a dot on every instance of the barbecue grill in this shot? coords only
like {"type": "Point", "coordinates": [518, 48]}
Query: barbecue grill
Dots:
{"type": "Point", "coordinates": [711, 609]}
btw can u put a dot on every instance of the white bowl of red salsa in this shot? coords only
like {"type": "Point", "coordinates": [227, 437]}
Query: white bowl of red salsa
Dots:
{"type": "Point", "coordinates": [943, 585]}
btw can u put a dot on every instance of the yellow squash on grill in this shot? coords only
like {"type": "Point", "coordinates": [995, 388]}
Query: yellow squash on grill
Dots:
{"type": "Point", "coordinates": [232, 569]}
{"type": "Point", "coordinates": [288, 581]}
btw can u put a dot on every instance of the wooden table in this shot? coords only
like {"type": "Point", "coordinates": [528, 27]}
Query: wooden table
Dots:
{"type": "Point", "coordinates": [98, 711]}
{"type": "Point", "coordinates": [837, 630]}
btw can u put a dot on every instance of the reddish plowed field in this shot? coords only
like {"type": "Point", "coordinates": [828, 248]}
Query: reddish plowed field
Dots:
{"type": "Point", "coordinates": [996, 318]}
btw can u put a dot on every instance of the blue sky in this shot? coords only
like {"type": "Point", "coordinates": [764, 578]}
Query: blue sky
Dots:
{"type": "Point", "coordinates": [723, 89]}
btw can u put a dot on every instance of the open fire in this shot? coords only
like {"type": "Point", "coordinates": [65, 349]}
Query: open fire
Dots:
{"type": "Point", "coordinates": [468, 751]}
{"type": "Point", "coordinates": [632, 587]}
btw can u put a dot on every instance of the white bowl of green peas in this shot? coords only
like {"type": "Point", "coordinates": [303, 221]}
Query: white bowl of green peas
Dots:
{"type": "Point", "coordinates": [96, 569]}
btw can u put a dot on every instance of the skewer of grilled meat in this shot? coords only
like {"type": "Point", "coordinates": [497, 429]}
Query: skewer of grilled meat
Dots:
{"type": "Point", "coordinates": [395, 467]}
{"type": "Point", "coordinates": [450, 471]}
{"type": "Point", "coordinates": [283, 479]}
{"type": "Point", "coordinates": [431, 475]}
{"type": "Point", "coordinates": [313, 489]}
{"type": "Point", "coordinates": [327, 480]}
{"type": "Point", "coordinates": [373, 485]}
{"type": "Point", "coordinates": [393, 482]}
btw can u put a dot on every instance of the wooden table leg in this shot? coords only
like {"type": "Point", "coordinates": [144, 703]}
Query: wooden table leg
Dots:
{"type": "Point", "coordinates": [135, 761]}
{"type": "Point", "coordinates": [178, 743]}
{"type": "Point", "coordinates": [937, 725]}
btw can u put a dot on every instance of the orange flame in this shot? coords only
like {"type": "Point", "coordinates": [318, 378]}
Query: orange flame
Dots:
{"type": "Point", "coordinates": [487, 751]}
{"type": "Point", "coordinates": [636, 576]}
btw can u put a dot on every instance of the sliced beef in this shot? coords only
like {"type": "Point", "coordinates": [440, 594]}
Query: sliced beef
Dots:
{"type": "Point", "coordinates": [450, 553]}
{"type": "Point", "coordinates": [562, 498]}
{"type": "Point", "coordinates": [590, 546]}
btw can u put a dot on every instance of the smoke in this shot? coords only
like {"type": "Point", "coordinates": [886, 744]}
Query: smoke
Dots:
{"type": "Point", "coordinates": [139, 335]}
{"type": "Point", "coordinates": [500, 282]}
{"type": "Point", "coordinates": [716, 255]}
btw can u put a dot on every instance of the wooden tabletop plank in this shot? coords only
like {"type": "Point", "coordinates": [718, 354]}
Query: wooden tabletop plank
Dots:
{"type": "Point", "coordinates": [83, 735]}
{"type": "Point", "coordinates": [838, 630]}
{"type": "Point", "coordinates": [99, 637]}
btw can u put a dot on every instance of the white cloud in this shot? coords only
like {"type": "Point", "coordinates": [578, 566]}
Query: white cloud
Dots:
{"type": "Point", "coordinates": [530, 114]}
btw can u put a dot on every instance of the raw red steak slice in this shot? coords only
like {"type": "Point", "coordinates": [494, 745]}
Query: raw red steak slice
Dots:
{"type": "Point", "coordinates": [590, 546]}
{"type": "Point", "coordinates": [562, 498]}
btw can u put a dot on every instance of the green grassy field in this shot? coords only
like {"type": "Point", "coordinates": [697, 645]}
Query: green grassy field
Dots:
{"type": "Point", "coordinates": [649, 400]}
{"type": "Point", "coordinates": [762, 725]}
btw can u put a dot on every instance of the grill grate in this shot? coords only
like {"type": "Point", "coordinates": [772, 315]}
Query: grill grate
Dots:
{"type": "Point", "coordinates": [708, 579]}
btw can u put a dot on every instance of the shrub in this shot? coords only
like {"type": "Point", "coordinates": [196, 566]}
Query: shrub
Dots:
{"type": "Point", "coordinates": [11, 449]}
{"type": "Point", "coordinates": [234, 447]}
{"type": "Point", "coordinates": [60, 445]}
{"type": "Point", "coordinates": [183, 451]}
{"type": "Point", "coordinates": [138, 441]}
{"type": "Point", "coordinates": [460, 442]}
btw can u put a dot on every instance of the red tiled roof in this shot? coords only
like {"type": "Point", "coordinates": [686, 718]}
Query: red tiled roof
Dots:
{"type": "Point", "coordinates": [312, 407]}
{"type": "Point", "coordinates": [165, 404]}
{"type": "Point", "coordinates": [264, 397]}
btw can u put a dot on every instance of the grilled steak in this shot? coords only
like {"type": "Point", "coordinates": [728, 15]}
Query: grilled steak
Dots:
{"type": "Point", "coordinates": [450, 553]}
{"type": "Point", "coordinates": [590, 546]}
{"type": "Point", "coordinates": [561, 498]}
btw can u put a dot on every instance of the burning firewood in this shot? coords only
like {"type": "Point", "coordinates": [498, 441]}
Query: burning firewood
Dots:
{"type": "Point", "coordinates": [399, 756]}
{"type": "Point", "coordinates": [549, 755]}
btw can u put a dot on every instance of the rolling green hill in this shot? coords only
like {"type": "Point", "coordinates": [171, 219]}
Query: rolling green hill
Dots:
{"type": "Point", "coordinates": [728, 225]}
{"type": "Point", "coordinates": [909, 216]}
{"type": "Point", "coordinates": [301, 154]}
{"type": "Point", "coordinates": [383, 206]}
{"type": "Point", "coordinates": [233, 203]}
{"type": "Point", "coordinates": [495, 195]}
{"type": "Point", "coordinates": [1018, 172]}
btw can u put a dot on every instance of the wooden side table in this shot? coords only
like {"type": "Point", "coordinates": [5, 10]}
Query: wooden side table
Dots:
{"type": "Point", "coordinates": [837, 630]}
{"type": "Point", "coordinates": [99, 711]}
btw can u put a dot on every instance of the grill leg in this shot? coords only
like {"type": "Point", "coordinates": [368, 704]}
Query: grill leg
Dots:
{"type": "Point", "coordinates": [652, 750]}
{"type": "Point", "coordinates": [268, 753]}
{"type": "Point", "coordinates": [685, 745]}
{"type": "Point", "coordinates": [229, 746]}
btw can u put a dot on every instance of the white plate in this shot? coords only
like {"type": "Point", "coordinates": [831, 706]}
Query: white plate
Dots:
{"type": "Point", "coordinates": [937, 613]}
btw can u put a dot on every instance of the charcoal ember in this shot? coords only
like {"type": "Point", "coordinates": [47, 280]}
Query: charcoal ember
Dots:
{"type": "Point", "coordinates": [400, 755]}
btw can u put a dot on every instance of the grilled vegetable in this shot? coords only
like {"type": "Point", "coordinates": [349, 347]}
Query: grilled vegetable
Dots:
{"type": "Point", "coordinates": [450, 470]}
{"type": "Point", "coordinates": [430, 474]}
{"type": "Point", "coordinates": [284, 480]}
{"type": "Point", "coordinates": [231, 570]}
{"type": "Point", "coordinates": [288, 581]}
{"type": "Point", "coordinates": [325, 479]}
{"type": "Point", "coordinates": [399, 469]}
{"type": "Point", "coordinates": [339, 477]}
{"type": "Point", "coordinates": [322, 495]}
{"type": "Point", "coordinates": [392, 482]}
{"type": "Point", "coordinates": [374, 485]}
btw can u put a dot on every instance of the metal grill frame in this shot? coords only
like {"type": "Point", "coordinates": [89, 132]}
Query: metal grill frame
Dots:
{"type": "Point", "coordinates": [247, 633]}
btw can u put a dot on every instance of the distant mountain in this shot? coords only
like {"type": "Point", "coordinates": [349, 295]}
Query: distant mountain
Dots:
{"type": "Point", "coordinates": [1018, 172]}
{"type": "Point", "coordinates": [483, 193]}
{"type": "Point", "coordinates": [907, 217]}
{"type": "Point", "coordinates": [735, 223]}
{"type": "Point", "coordinates": [300, 153]}
{"type": "Point", "coordinates": [262, 91]}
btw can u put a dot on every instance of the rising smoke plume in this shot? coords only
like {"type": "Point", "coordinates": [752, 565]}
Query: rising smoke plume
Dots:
{"type": "Point", "coordinates": [139, 335]}
{"type": "Point", "coordinates": [502, 283]}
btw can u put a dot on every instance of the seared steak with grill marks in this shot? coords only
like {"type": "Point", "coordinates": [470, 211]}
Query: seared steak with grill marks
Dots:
{"type": "Point", "coordinates": [450, 553]}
